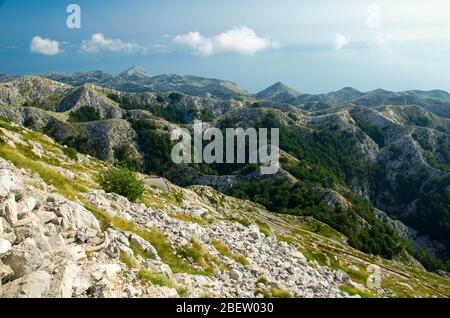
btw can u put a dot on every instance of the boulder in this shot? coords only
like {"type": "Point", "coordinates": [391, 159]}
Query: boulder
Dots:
{"type": "Point", "coordinates": [46, 217]}
{"type": "Point", "coordinates": [76, 217]}
{"type": "Point", "coordinates": [6, 182]}
{"type": "Point", "coordinates": [235, 275]}
{"type": "Point", "coordinates": [157, 267]}
{"type": "Point", "coordinates": [34, 285]}
{"type": "Point", "coordinates": [63, 285]}
{"type": "Point", "coordinates": [11, 210]}
{"type": "Point", "coordinates": [26, 205]}
{"type": "Point", "coordinates": [5, 272]}
{"type": "Point", "coordinates": [5, 247]}
{"type": "Point", "coordinates": [25, 258]}
{"type": "Point", "coordinates": [145, 246]}
{"type": "Point", "coordinates": [4, 226]}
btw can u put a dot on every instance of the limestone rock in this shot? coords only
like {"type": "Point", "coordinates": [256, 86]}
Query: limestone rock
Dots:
{"type": "Point", "coordinates": [34, 285]}
{"type": "Point", "coordinates": [5, 248]}
{"type": "Point", "coordinates": [5, 272]}
{"type": "Point", "coordinates": [25, 258]}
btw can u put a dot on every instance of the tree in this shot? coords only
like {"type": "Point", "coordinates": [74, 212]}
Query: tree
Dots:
{"type": "Point", "coordinates": [123, 182]}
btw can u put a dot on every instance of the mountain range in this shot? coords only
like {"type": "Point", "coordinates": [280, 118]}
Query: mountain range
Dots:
{"type": "Point", "coordinates": [373, 167]}
{"type": "Point", "coordinates": [136, 79]}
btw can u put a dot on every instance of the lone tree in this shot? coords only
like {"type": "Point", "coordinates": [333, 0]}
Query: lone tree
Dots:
{"type": "Point", "coordinates": [123, 182]}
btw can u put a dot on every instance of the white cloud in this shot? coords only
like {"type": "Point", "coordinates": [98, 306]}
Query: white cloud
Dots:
{"type": "Point", "coordinates": [242, 40]}
{"type": "Point", "coordinates": [340, 41]}
{"type": "Point", "coordinates": [44, 46]}
{"type": "Point", "coordinates": [98, 42]}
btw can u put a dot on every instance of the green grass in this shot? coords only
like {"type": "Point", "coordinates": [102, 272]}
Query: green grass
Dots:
{"type": "Point", "coordinates": [280, 293]}
{"type": "Point", "coordinates": [156, 279]}
{"type": "Point", "coordinates": [67, 187]}
{"type": "Point", "coordinates": [196, 253]}
{"type": "Point", "coordinates": [137, 251]}
{"type": "Point", "coordinates": [262, 280]}
{"type": "Point", "coordinates": [225, 251]}
{"type": "Point", "coordinates": [182, 292]}
{"type": "Point", "coordinates": [152, 235]}
{"type": "Point", "coordinates": [263, 227]}
{"type": "Point", "coordinates": [70, 153]}
{"type": "Point", "coordinates": [187, 218]}
{"type": "Point", "coordinates": [242, 221]}
{"type": "Point", "coordinates": [4, 123]}
{"type": "Point", "coordinates": [128, 260]}
{"type": "Point", "coordinates": [352, 291]}
{"type": "Point", "coordinates": [264, 293]}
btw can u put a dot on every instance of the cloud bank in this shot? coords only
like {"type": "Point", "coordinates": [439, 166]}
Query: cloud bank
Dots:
{"type": "Point", "coordinates": [98, 42]}
{"type": "Point", "coordinates": [44, 46]}
{"type": "Point", "coordinates": [241, 40]}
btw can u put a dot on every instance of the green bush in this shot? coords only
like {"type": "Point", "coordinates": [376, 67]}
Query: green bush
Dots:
{"type": "Point", "coordinates": [84, 114]}
{"type": "Point", "coordinates": [70, 153]}
{"type": "Point", "coordinates": [123, 182]}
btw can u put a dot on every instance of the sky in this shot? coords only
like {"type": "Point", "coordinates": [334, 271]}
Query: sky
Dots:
{"type": "Point", "coordinates": [314, 46]}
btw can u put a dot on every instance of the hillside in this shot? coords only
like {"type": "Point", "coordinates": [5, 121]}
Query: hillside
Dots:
{"type": "Point", "coordinates": [278, 93]}
{"type": "Point", "coordinates": [137, 80]}
{"type": "Point", "coordinates": [377, 174]}
{"type": "Point", "coordinates": [61, 236]}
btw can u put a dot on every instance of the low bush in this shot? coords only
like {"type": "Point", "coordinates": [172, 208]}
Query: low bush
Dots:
{"type": "Point", "coordinates": [123, 182]}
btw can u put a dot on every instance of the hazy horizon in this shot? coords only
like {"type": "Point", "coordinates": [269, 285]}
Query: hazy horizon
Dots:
{"type": "Point", "coordinates": [313, 47]}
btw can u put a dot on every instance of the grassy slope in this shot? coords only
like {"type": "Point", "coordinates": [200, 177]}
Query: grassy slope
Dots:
{"type": "Point", "coordinates": [318, 242]}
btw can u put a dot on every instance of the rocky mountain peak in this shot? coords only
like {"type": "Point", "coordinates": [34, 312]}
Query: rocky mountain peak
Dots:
{"type": "Point", "coordinates": [134, 73]}
{"type": "Point", "coordinates": [279, 92]}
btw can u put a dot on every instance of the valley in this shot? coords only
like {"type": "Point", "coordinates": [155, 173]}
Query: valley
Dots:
{"type": "Point", "coordinates": [364, 181]}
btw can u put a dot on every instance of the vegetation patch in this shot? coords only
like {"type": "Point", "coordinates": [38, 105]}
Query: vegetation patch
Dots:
{"type": "Point", "coordinates": [196, 254]}
{"type": "Point", "coordinates": [156, 279]}
{"type": "Point", "coordinates": [70, 153]}
{"type": "Point", "coordinates": [123, 182]}
{"type": "Point", "coordinates": [84, 114]}
{"type": "Point", "coordinates": [69, 188]}
{"type": "Point", "coordinates": [280, 293]}
{"type": "Point", "coordinates": [225, 251]}
{"type": "Point", "coordinates": [152, 235]}
{"type": "Point", "coordinates": [352, 291]}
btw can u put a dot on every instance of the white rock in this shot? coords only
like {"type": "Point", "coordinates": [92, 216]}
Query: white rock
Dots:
{"type": "Point", "coordinates": [6, 182]}
{"type": "Point", "coordinates": [3, 225]}
{"type": "Point", "coordinates": [158, 267]}
{"type": "Point", "coordinates": [235, 275]}
{"type": "Point", "coordinates": [74, 216]}
{"type": "Point", "coordinates": [5, 247]}
{"type": "Point", "coordinates": [11, 210]}
{"type": "Point", "coordinates": [34, 285]}
{"type": "Point", "coordinates": [144, 246]}
{"type": "Point", "coordinates": [68, 282]}
{"type": "Point", "coordinates": [46, 217]}
{"type": "Point", "coordinates": [108, 271]}
{"type": "Point", "coordinates": [26, 205]}
{"type": "Point", "coordinates": [24, 258]}
{"type": "Point", "coordinates": [5, 272]}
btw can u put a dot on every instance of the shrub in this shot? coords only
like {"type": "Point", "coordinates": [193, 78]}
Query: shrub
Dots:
{"type": "Point", "coordinates": [70, 153]}
{"type": "Point", "coordinates": [123, 182]}
{"type": "Point", "coordinates": [84, 114]}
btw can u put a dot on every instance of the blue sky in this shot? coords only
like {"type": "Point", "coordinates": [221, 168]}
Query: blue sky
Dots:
{"type": "Point", "coordinates": [312, 46]}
